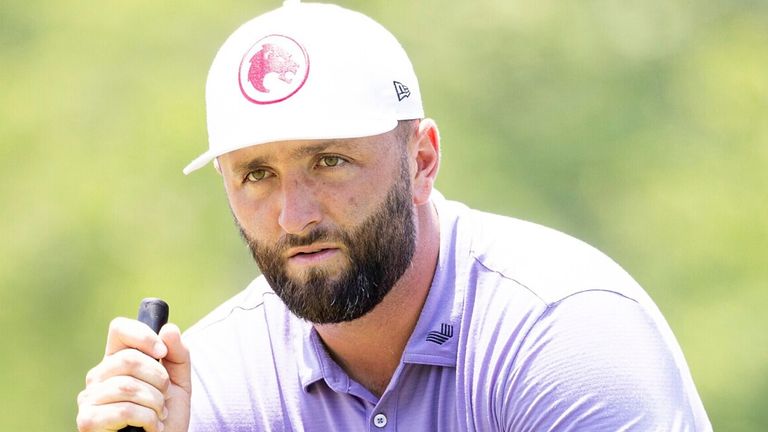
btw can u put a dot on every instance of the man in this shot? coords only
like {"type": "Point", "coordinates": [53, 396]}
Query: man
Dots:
{"type": "Point", "coordinates": [382, 306]}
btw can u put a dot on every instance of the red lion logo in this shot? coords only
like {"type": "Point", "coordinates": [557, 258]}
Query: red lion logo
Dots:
{"type": "Point", "coordinates": [271, 58]}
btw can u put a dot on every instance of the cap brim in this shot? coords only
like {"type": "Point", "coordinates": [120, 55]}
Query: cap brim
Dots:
{"type": "Point", "coordinates": [199, 162]}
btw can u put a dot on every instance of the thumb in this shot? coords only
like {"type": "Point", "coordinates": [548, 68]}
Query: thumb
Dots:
{"type": "Point", "coordinates": [177, 361]}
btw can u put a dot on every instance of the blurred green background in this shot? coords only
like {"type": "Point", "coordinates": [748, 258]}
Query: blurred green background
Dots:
{"type": "Point", "coordinates": [640, 127]}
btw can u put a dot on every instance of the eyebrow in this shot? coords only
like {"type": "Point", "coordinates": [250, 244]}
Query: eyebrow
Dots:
{"type": "Point", "coordinates": [298, 153]}
{"type": "Point", "coordinates": [250, 165]}
{"type": "Point", "coordinates": [313, 149]}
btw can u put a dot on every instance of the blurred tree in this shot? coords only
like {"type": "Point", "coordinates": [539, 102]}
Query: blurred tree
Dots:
{"type": "Point", "coordinates": [639, 128]}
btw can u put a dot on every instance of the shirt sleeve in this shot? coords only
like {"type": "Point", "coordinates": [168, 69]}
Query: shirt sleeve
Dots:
{"type": "Point", "coordinates": [599, 361]}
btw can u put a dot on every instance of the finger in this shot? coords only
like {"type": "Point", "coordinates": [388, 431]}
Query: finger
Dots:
{"type": "Point", "coordinates": [124, 389]}
{"type": "Point", "coordinates": [177, 361]}
{"type": "Point", "coordinates": [128, 333]}
{"type": "Point", "coordinates": [130, 362]}
{"type": "Point", "coordinates": [113, 417]}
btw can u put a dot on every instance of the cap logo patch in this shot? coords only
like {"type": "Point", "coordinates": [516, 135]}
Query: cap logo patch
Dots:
{"type": "Point", "coordinates": [273, 70]}
{"type": "Point", "coordinates": [401, 90]}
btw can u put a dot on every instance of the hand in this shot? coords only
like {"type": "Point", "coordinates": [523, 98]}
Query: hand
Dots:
{"type": "Point", "coordinates": [130, 387]}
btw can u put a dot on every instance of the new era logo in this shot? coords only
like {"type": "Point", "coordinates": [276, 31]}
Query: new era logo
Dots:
{"type": "Point", "coordinates": [401, 90]}
{"type": "Point", "coordinates": [440, 337]}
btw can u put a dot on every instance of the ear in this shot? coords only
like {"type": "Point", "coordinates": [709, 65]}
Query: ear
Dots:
{"type": "Point", "coordinates": [426, 153]}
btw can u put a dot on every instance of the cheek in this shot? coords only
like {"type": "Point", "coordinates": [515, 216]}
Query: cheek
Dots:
{"type": "Point", "coordinates": [238, 204]}
{"type": "Point", "coordinates": [355, 206]}
{"type": "Point", "coordinates": [251, 215]}
{"type": "Point", "coordinates": [348, 206]}
{"type": "Point", "coordinates": [352, 202]}
{"type": "Point", "coordinates": [366, 195]}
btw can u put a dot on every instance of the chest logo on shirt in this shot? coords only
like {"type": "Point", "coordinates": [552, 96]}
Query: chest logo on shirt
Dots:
{"type": "Point", "coordinates": [442, 336]}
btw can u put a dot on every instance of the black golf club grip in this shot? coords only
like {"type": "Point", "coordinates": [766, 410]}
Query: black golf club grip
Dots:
{"type": "Point", "coordinates": [154, 313]}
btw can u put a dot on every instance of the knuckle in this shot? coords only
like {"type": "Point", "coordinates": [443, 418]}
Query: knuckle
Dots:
{"type": "Point", "coordinates": [148, 340]}
{"type": "Point", "coordinates": [85, 422]}
{"type": "Point", "coordinates": [164, 380]}
{"type": "Point", "coordinates": [82, 397]}
{"type": "Point", "coordinates": [92, 376]}
{"type": "Point", "coordinates": [115, 324]}
{"type": "Point", "coordinates": [132, 360]}
{"type": "Point", "coordinates": [124, 411]}
{"type": "Point", "coordinates": [127, 388]}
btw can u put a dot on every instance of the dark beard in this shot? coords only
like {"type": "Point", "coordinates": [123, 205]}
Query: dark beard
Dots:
{"type": "Point", "coordinates": [380, 250]}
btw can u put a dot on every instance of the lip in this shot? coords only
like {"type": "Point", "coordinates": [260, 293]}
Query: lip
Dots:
{"type": "Point", "coordinates": [309, 249]}
{"type": "Point", "coordinates": [312, 253]}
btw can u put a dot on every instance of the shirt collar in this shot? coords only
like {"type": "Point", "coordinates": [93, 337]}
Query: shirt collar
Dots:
{"type": "Point", "coordinates": [435, 338]}
{"type": "Point", "coordinates": [316, 364]}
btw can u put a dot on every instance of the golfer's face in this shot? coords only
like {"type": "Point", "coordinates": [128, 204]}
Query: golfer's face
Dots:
{"type": "Point", "coordinates": [298, 198]}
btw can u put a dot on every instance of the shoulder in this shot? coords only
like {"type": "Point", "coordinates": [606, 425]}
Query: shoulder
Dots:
{"type": "Point", "coordinates": [549, 263]}
{"type": "Point", "coordinates": [246, 304]}
{"type": "Point", "coordinates": [600, 361]}
{"type": "Point", "coordinates": [241, 362]}
{"type": "Point", "coordinates": [559, 336]}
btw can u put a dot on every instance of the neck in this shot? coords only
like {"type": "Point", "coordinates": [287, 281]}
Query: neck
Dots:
{"type": "Point", "coordinates": [369, 348]}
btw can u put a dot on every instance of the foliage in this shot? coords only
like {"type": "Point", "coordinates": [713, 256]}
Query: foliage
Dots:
{"type": "Point", "coordinates": [638, 127]}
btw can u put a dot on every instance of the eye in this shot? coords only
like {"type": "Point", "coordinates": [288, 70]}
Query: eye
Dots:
{"type": "Point", "coordinates": [257, 175]}
{"type": "Point", "coordinates": [331, 161]}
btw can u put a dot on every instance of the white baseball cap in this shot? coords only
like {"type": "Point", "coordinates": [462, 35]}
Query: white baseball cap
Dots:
{"type": "Point", "coordinates": [306, 71]}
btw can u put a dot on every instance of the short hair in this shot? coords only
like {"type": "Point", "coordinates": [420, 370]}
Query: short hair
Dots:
{"type": "Point", "coordinates": [404, 130]}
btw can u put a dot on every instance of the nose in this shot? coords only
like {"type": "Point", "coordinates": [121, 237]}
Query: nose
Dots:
{"type": "Point", "coordinates": [300, 209]}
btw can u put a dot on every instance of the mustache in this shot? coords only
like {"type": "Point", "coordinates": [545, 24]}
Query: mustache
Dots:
{"type": "Point", "coordinates": [292, 240]}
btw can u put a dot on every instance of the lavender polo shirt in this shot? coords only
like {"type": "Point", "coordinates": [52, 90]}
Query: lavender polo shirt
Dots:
{"type": "Point", "coordinates": [524, 329]}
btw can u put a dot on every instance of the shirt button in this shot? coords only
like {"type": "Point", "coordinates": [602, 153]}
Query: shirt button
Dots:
{"type": "Point", "coordinates": [380, 420]}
